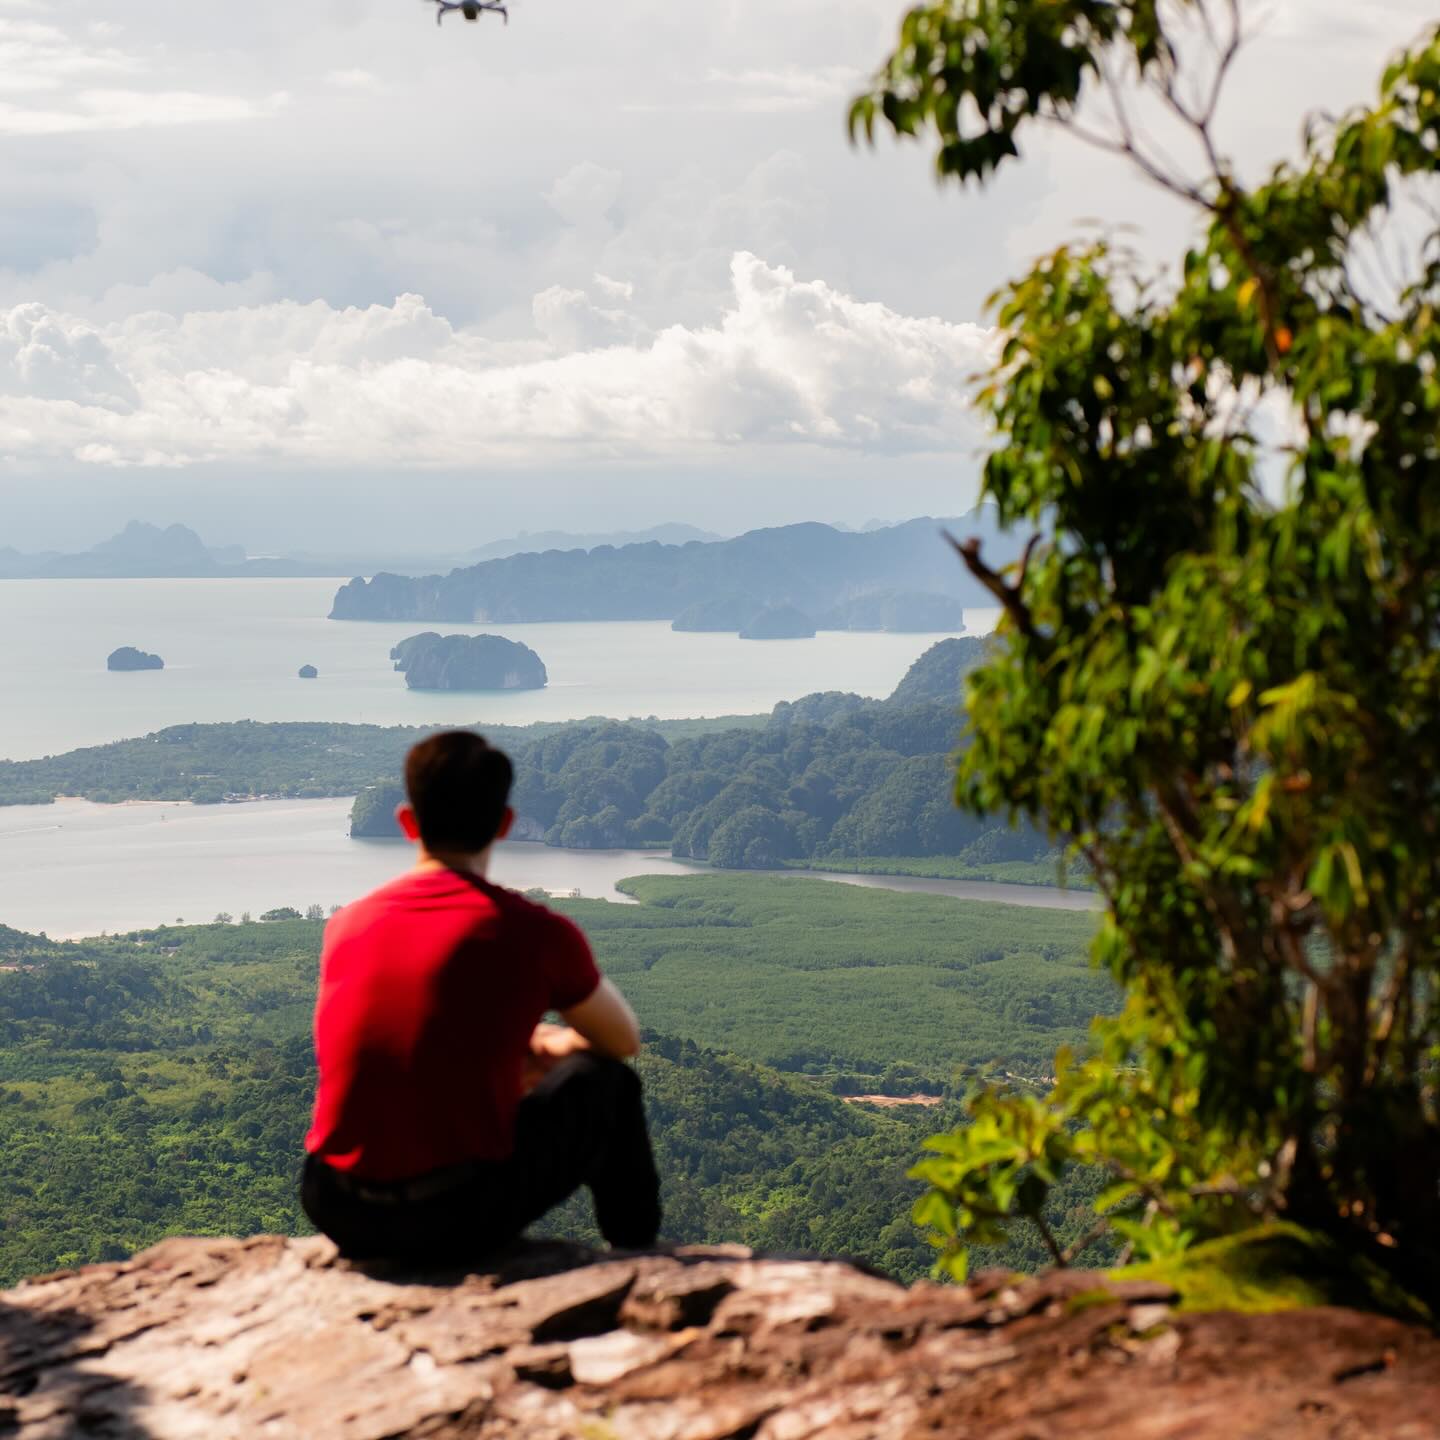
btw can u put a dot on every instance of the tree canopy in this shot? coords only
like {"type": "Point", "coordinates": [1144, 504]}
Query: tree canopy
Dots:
{"type": "Point", "coordinates": [1222, 678]}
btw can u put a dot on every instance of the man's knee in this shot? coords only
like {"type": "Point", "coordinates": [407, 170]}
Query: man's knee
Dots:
{"type": "Point", "coordinates": [613, 1082]}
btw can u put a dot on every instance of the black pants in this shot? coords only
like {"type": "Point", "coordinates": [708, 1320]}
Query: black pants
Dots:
{"type": "Point", "coordinates": [583, 1124]}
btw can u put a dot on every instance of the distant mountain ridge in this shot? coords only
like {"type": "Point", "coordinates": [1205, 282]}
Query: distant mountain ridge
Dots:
{"type": "Point", "coordinates": [145, 551]}
{"type": "Point", "coordinates": [139, 549]}
{"type": "Point", "coordinates": [816, 568]}
{"type": "Point", "coordinates": [142, 551]}
{"type": "Point", "coordinates": [536, 541]}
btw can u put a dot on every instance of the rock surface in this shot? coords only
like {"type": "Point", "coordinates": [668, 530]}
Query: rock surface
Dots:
{"type": "Point", "coordinates": [127, 657]}
{"type": "Point", "coordinates": [269, 1337]}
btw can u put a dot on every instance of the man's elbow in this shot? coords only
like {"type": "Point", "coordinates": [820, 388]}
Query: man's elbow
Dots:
{"type": "Point", "coordinates": [607, 1022]}
{"type": "Point", "coordinates": [627, 1045]}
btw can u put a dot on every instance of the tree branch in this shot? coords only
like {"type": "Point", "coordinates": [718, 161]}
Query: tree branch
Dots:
{"type": "Point", "coordinates": [1048, 1236]}
{"type": "Point", "coordinates": [1008, 595]}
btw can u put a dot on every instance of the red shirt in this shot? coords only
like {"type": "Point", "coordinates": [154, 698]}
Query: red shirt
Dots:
{"type": "Point", "coordinates": [430, 989]}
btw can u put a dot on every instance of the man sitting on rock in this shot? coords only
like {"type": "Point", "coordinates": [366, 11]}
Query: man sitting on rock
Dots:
{"type": "Point", "coordinates": [448, 1117]}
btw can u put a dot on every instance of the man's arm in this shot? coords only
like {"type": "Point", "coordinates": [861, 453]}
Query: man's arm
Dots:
{"type": "Point", "coordinates": [606, 1020]}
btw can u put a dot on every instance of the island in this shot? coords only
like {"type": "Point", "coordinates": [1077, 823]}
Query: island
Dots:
{"type": "Point", "coordinates": [817, 568]}
{"type": "Point", "coordinates": [372, 816]}
{"type": "Point", "coordinates": [127, 657]}
{"type": "Point", "coordinates": [897, 611]}
{"type": "Point", "coordinates": [720, 613]}
{"type": "Point", "coordinates": [309, 672]}
{"type": "Point", "coordinates": [780, 622]}
{"type": "Point", "coordinates": [431, 661]}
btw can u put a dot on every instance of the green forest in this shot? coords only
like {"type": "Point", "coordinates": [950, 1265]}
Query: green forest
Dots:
{"type": "Point", "coordinates": [159, 1082]}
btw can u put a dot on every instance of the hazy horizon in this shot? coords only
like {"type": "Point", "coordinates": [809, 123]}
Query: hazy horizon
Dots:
{"type": "Point", "coordinates": [375, 537]}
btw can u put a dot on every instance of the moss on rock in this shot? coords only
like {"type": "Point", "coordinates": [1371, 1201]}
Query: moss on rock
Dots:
{"type": "Point", "coordinates": [1274, 1267]}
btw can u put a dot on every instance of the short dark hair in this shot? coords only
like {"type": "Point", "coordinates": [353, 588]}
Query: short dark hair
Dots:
{"type": "Point", "coordinates": [458, 785]}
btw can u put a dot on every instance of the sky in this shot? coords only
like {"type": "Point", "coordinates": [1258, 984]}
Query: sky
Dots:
{"type": "Point", "coordinates": [319, 274]}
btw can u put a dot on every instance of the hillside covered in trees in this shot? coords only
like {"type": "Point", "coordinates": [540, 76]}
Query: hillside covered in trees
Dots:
{"type": "Point", "coordinates": [831, 775]}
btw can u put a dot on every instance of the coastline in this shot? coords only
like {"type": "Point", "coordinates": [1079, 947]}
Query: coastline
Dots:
{"type": "Point", "coordinates": [78, 868]}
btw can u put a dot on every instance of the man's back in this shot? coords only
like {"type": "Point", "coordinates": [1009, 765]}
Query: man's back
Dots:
{"type": "Point", "coordinates": [447, 1119]}
{"type": "Point", "coordinates": [430, 990]}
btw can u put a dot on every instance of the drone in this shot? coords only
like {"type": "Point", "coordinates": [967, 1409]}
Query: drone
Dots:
{"type": "Point", "coordinates": [471, 9]}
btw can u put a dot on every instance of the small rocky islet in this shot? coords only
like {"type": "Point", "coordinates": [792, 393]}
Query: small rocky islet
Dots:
{"type": "Point", "coordinates": [431, 661]}
{"type": "Point", "coordinates": [127, 657]}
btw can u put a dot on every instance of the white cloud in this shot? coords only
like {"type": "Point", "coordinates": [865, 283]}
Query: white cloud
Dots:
{"type": "Point", "coordinates": [111, 110]}
{"type": "Point", "coordinates": [67, 85]}
{"type": "Point", "coordinates": [791, 87]}
{"type": "Point", "coordinates": [570, 320]}
{"type": "Point", "coordinates": [787, 362]}
{"type": "Point", "coordinates": [352, 79]}
{"type": "Point", "coordinates": [612, 288]}
{"type": "Point", "coordinates": [585, 193]}
{"type": "Point", "coordinates": [760, 91]}
{"type": "Point", "coordinates": [215, 266]}
{"type": "Point", "coordinates": [51, 357]}
{"type": "Point", "coordinates": [39, 57]}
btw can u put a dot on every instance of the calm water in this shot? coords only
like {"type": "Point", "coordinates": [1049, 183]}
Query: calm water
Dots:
{"type": "Point", "coordinates": [231, 650]}
{"type": "Point", "coordinates": [1033, 897]}
{"type": "Point", "coordinates": [232, 647]}
{"type": "Point", "coordinates": [74, 868]}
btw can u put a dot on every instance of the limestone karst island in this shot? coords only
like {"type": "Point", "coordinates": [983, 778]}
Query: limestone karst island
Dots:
{"type": "Point", "coordinates": [468, 662]}
{"type": "Point", "coordinates": [127, 657]}
{"type": "Point", "coordinates": [790, 786]}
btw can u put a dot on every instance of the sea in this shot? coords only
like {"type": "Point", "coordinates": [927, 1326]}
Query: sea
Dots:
{"type": "Point", "coordinates": [232, 649]}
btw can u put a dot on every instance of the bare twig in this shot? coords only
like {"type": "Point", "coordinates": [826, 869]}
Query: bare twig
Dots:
{"type": "Point", "coordinates": [1225, 203]}
{"type": "Point", "coordinates": [1008, 595]}
{"type": "Point", "coordinates": [1222, 66]}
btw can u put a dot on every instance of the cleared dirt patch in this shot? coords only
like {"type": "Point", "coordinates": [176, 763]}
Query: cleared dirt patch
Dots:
{"type": "Point", "coordinates": [888, 1102]}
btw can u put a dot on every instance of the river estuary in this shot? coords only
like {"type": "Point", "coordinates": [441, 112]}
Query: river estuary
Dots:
{"type": "Point", "coordinates": [122, 867]}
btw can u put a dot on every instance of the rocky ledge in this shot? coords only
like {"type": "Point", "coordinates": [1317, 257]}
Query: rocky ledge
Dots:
{"type": "Point", "coordinates": [279, 1338]}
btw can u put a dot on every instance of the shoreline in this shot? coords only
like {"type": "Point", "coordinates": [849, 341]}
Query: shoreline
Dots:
{"type": "Point", "coordinates": [85, 868]}
{"type": "Point", "coordinates": [1026, 893]}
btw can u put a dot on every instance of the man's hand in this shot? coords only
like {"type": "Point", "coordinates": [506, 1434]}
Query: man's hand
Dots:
{"type": "Point", "coordinates": [549, 1045]}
